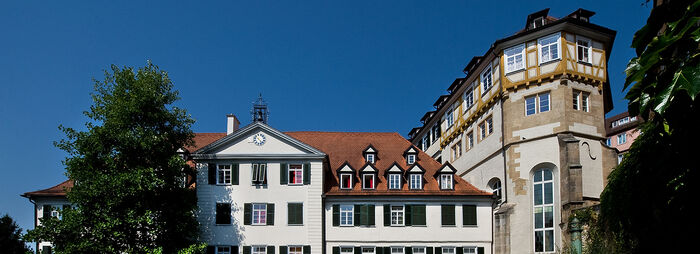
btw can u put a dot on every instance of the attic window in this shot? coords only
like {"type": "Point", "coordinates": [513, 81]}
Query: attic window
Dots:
{"type": "Point", "coordinates": [446, 182]}
{"type": "Point", "coordinates": [368, 181]}
{"type": "Point", "coordinates": [345, 181]}
{"type": "Point", "coordinates": [411, 158]}
{"type": "Point", "coordinates": [537, 22]}
{"type": "Point", "coordinates": [369, 157]}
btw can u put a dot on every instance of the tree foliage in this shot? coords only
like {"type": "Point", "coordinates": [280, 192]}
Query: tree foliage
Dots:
{"type": "Point", "coordinates": [10, 237]}
{"type": "Point", "coordinates": [129, 195]}
{"type": "Point", "coordinates": [649, 196]}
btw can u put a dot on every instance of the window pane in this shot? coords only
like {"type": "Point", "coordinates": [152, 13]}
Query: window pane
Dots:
{"type": "Point", "coordinates": [548, 193]}
{"type": "Point", "coordinates": [539, 242]}
{"type": "Point", "coordinates": [549, 240]}
{"type": "Point", "coordinates": [547, 174]}
{"type": "Point", "coordinates": [538, 194]}
{"type": "Point", "coordinates": [544, 102]}
{"type": "Point", "coordinates": [530, 105]}
{"type": "Point", "coordinates": [538, 217]}
{"type": "Point", "coordinates": [548, 217]}
{"type": "Point", "coordinates": [538, 176]}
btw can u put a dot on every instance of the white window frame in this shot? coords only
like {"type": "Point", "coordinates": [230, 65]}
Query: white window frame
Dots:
{"type": "Point", "coordinates": [347, 250]}
{"type": "Point", "coordinates": [295, 170]}
{"type": "Point", "coordinates": [399, 213]}
{"type": "Point", "coordinates": [544, 206]}
{"type": "Point", "coordinates": [221, 171]}
{"type": "Point", "coordinates": [374, 181]}
{"type": "Point", "coordinates": [468, 98]}
{"type": "Point", "coordinates": [347, 210]}
{"type": "Point", "coordinates": [469, 249]}
{"type": "Point", "coordinates": [446, 182]}
{"type": "Point", "coordinates": [486, 75]}
{"type": "Point", "coordinates": [299, 247]}
{"type": "Point", "coordinates": [456, 150]}
{"type": "Point", "coordinates": [496, 187]}
{"type": "Point", "coordinates": [400, 250]}
{"type": "Point", "coordinates": [482, 130]}
{"type": "Point", "coordinates": [394, 181]}
{"type": "Point", "coordinates": [421, 248]}
{"type": "Point", "coordinates": [537, 103]}
{"type": "Point", "coordinates": [363, 248]}
{"type": "Point", "coordinates": [370, 157]}
{"type": "Point", "coordinates": [342, 181]}
{"type": "Point", "coordinates": [410, 159]}
{"type": "Point", "coordinates": [513, 53]}
{"type": "Point", "coordinates": [608, 141]}
{"type": "Point", "coordinates": [261, 213]}
{"type": "Point", "coordinates": [452, 250]}
{"type": "Point", "coordinates": [450, 116]}
{"type": "Point", "coordinates": [258, 173]}
{"type": "Point", "coordinates": [416, 179]}
{"type": "Point", "coordinates": [577, 100]}
{"type": "Point", "coordinates": [621, 138]}
{"type": "Point", "coordinates": [584, 102]}
{"type": "Point", "coordinates": [549, 45]}
{"type": "Point", "coordinates": [530, 101]}
{"type": "Point", "coordinates": [258, 249]}
{"type": "Point", "coordinates": [489, 125]}
{"type": "Point", "coordinates": [588, 49]}
{"type": "Point", "coordinates": [223, 250]}
{"type": "Point", "coordinates": [470, 138]}
{"type": "Point", "coordinates": [426, 141]}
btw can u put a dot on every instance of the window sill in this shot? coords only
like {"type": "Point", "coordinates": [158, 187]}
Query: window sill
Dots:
{"type": "Point", "coordinates": [585, 63]}
{"type": "Point", "coordinates": [515, 71]}
{"type": "Point", "coordinates": [550, 61]}
{"type": "Point", "coordinates": [449, 226]}
{"type": "Point", "coordinates": [294, 225]}
{"type": "Point", "coordinates": [470, 226]}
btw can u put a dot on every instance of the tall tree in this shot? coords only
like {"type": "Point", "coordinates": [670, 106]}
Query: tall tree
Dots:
{"type": "Point", "coordinates": [647, 202]}
{"type": "Point", "coordinates": [129, 193]}
{"type": "Point", "coordinates": [10, 237]}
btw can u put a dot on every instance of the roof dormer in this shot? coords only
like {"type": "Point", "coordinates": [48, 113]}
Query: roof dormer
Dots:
{"type": "Point", "coordinates": [537, 19]}
{"type": "Point", "coordinates": [411, 155]}
{"type": "Point", "coordinates": [414, 176]}
{"type": "Point", "coordinates": [445, 176]}
{"type": "Point", "coordinates": [368, 175]}
{"type": "Point", "coordinates": [582, 14]}
{"type": "Point", "coordinates": [346, 176]}
{"type": "Point", "coordinates": [394, 176]}
{"type": "Point", "coordinates": [370, 154]}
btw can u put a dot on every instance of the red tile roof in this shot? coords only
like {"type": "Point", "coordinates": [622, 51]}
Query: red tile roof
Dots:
{"type": "Point", "coordinates": [56, 191]}
{"type": "Point", "coordinates": [203, 139]}
{"type": "Point", "coordinates": [342, 147]}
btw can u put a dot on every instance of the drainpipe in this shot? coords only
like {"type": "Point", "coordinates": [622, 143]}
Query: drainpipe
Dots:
{"type": "Point", "coordinates": [575, 230]}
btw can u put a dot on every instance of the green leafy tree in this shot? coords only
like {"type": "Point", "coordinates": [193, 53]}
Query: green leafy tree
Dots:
{"type": "Point", "coordinates": [646, 206]}
{"type": "Point", "coordinates": [10, 237]}
{"type": "Point", "coordinates": [129, 195]}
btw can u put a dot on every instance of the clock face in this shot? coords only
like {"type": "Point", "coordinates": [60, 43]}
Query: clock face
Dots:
{"type": "Point", "coordinates": [259, 139]}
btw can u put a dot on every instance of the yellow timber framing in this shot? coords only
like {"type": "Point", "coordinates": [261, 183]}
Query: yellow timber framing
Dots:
{"type": "Point", "coordinates": [463, 124]}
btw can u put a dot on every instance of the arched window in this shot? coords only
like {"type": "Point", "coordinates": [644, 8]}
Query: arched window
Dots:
{"type": "Point", "coordinates": [495, 185]}
{"type": "Point", "coordinates": [543, 210]}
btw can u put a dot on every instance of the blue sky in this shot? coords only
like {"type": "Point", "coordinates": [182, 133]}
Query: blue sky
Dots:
{"type": "Point", "coordinates": [321, 65]}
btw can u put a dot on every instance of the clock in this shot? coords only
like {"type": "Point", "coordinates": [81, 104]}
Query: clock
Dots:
{"type": "Point", "coordinates": [259, 139]}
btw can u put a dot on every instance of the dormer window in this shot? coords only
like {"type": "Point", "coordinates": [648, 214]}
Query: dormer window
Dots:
{"type": "Point", "coordinates": [346, 181]}
{"type": "Point", "coordinates": [411, 158]}
{"type": "Point", "coordinates": [368, 181]}
{"type": "Point", "coordinates": [446, 182]}
{"type": "Point", "coordinates": [394, 181]}
{"type": "Point", "coordinates": [416, 181]}
{"type": "Point", "coordinates": [537, 22]}
{"type": "Point", "coordinates": [369, 157]}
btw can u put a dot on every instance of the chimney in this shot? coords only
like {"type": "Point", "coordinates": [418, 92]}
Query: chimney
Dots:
{"type": "Point", "coordinates": [232, 123]}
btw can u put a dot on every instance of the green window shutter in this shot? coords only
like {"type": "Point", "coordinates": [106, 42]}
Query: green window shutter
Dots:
{"type": "Point", "coordinates": [407, 220]}
{"type": "Point", "coordinates": [284, 172]}
{"type": "Point", "coordinates": [387, 215]}
{"type": "Point", "coordinates": [438, 250]}
{"type": "Point", "coordinates": [223, 213]}
{"type": "Point", "coordinates": [387, 250]}
{"type": "Point", "coordinates": [448, 215]}
{"type": "Point", "coordinates": [234, 174]}
{"type": "Point", "coordinates": [428, 250]}
{"type": "Point", "coordinates": [295, 214]}
{"type": "Point", "coordinates": [469, 215]}
{"type": "Point", "coordinates": [408, 250]}
{"type": "Point", "coordinates": [459, 250]}
{"type": "Point", "coordinates": [247, 218]}
{"type": "Point", "coordinates": [418, 215]}
{"type": "Point", "coordinates": [212, 173]}
{"type": "Point", "coordinates": [370, 215]}
{"type": "Point", "coordinates": [357, 214]}
{"type": "Point", "coordinates": [234, 249]}
{"type": "Point", "coordinates": [211, 250]}
{"type": "Point", "coordinates": [336, 217]}
{"type": "Point", "coordinates": [283, 249]}
{"type": "Point", "coordinates": [307, 249]}
{"type": "Point", "coordinates": [336, 250]}
{"type": "Point", "coordinates": [358, 250]}
{"type": "Point", "coordinates": [246, 249]}
{"type": "Point", "coordinates": [379, 250]}
{"type": "Point", "coordinates": [270, 249]}
{"type": "Point", "coordinates": [46, 211]}
{"type": "Point", "coordinates": [270, 217]}
{"type": "Point", "coordinates": [364, 215]}
{"type": "Point", "coordinates": [480, 250]}
{"type": "Point", "coordinates": [307, 173]}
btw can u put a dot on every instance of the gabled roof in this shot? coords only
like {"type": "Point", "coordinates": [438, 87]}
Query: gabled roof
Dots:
{"type": "Point", "coordinates": [346, 168]}
{"type": "Point", "coordinates": [416, 168]}
{"type": "Point", "coordinates": [55, 191]}
{"type": "Point", "coordinates": [394, 168]}
{"type": "Point", "coordinates": [427, 116]}
{"type": "Point", "coordinates": [455, 84]}
{"type": "Point", "coordinates": [441, 100]}
{"type": "Point", "coordinates": [368, 168]}
{"type": "Point", "coordinates": [446, 168]}
{"type": "Point", "coordinates": [411, 150]}
{"type": "Point", "coordinates": [370, 149]}
{"type": "Point", "coordinates": [251, 128]}
{"type": "Point", "coordinates": [347, 148]}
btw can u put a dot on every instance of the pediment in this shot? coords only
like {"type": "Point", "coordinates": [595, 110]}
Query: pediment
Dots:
{"type": "Point", "coordinates": [368, 168]}
{"type": "Point", "coordinates": [258, 139]}
{"type": "Point", "coordinates": [394, 168]}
